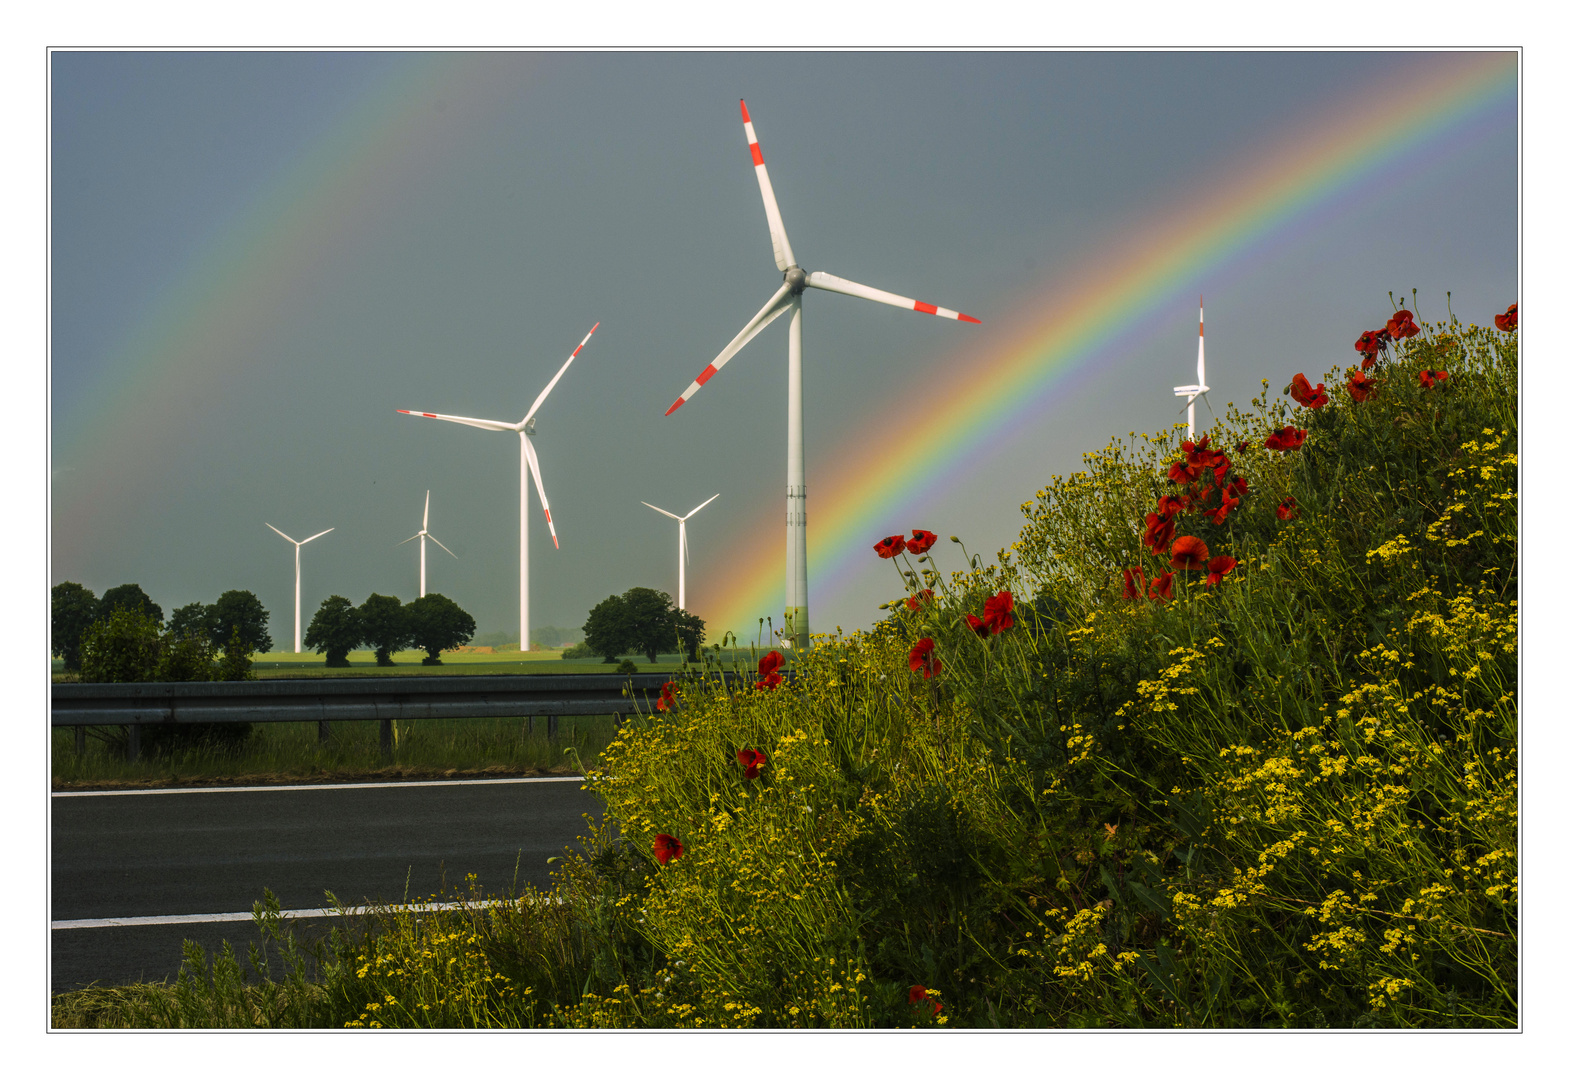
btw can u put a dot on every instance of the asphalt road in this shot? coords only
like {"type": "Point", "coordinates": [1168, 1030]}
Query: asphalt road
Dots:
{"type": "Point", "coordinates": [203, 852]}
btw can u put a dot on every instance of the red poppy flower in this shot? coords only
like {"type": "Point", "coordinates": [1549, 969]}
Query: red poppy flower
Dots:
{"type": "Point", "coordinates": [1402, 325]}
{"type": "Point", "coordinates": [1360, 386]}
{"type": "Point", "coordinates": [923, 660]}
{"type": "Point", "coordinates": [1429, 378]}
{"type": "Point", "coordinates": [1227, 505]}
{"type": "Point", "coordinates": [1188, 553]}
{"type": "Point", "coordinates": [920, 541]}
{"type": "Point", "coordinates": [1238, 487]}
{"type": "Point", "coordinates": [1169, 506]}
{"type": "Point", "coordinates": [1307, 395]}
{"type": "Point", "coordinates": [1158, 531]}
{"type": "Point", "coordinates": [1221, 464]}
{"type": "Point", "coordinates": [667, 847]}
{"type": "Point", "coordinates": [1287, 438]}
{"type": "Point", "coordinates": [667, 696]}
{"type": "Point", "coordinates": [918, 995]}
{"type": "Point", "coordinates": [1132, 583]}
{"type": "Point", "coordinates": [751, 761]}
{"type": "Point", "coordinates": [768, 669]}
{"type": "Point", "coordinates": [1287, 509]}
{"type": "Point", "coordinates": [998, 612]}
{"type": "Point", "coordinates": [1182, 472]}
{"type": "Point", "coordinates": [978, 625]}
{"type": "Point", "coordinates": [889, 546]}
{"type": "Point", "coordinates": [1219, 567]}
{"type": "Point", "coordinates": [1369, 344]}
{"type": "Point", "coordinates": [1241, 446]}
{"type": "Point", "coordinates": [1509, 319]}
{"type": "Point", "coordinates": [1160, 588]}
{"type": "Point", "coordinates": [916, 602]}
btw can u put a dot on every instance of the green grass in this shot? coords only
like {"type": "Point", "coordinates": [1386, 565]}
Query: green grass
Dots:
{"type": "Point", "coordinates": [291, 752]}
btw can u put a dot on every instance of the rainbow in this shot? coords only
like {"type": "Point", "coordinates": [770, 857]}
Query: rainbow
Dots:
{"type": "Point", "coordinates": [191, 345]}
{"type": "Point", "coordinates": [1075, 325]}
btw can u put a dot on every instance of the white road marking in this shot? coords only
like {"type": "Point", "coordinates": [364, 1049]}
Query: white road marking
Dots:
{"type": "Point", "coordinates": [319, 787]}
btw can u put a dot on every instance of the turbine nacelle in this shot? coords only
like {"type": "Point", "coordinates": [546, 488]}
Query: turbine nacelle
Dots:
{"type": "Point", "coordinates": [795, 277]}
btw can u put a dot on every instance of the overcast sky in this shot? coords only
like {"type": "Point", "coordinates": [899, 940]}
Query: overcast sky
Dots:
{"type": "Point", "coordinates": [256, 258]}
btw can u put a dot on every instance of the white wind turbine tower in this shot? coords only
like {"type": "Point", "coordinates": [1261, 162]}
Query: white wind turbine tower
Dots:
{"type": "Point", "coordinates": [1201, 390]}
{"type": "Point", "coordinates": [682, 558]}
{"type": "Point", "coordinates": [424, 531]}
{"type": "Point", "coordinates": [788, 298]}
{"type": "Point", "coordinates": [530, 465]}
{"type": "Point", "coordinates": [297, 545]}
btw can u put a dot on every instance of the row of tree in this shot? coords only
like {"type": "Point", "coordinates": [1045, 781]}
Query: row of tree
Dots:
{"type": "Point", "coordinates": [237, 619]}
{"type": "Point", "coordinates": [385, 624]}
{"type": "Point", "coordinates": [644, 621]}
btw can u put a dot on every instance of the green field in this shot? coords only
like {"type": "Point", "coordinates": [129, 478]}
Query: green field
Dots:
{"type": "Point", "coordinates": [292, 753]}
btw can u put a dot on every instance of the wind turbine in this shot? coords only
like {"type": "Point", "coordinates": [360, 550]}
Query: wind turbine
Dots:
{"type": "Point", "coordinates": [682, 558]}
{"type": "Point", "coordinates": [788, 298]}
{"type": "Point", "coordinates": [297, 545]}
{"type": "Point", "coordinates": [1201, 390]}
{"type": "Point", "coordinates": [530, 464]}
{"type": "Point", "coordinates": [424, 532]}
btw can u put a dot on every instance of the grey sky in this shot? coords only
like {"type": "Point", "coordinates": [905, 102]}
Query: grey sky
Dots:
{"type": "Point", "coordinates": [537, 194]}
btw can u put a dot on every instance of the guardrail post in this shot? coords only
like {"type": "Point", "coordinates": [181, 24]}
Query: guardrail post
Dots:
{"type": "Point", "coordinates": [323, 731]}
{"type": "Point", "coordinates": [81, 740]}
{"type": "Point", "coordinates": [550, 728]}
{"type": "Point", "coordinates": [133, 743]}
{"type": "Point", "coordinates": [386, 739]}
{"type": "Point", "coordinates": [528, 722]}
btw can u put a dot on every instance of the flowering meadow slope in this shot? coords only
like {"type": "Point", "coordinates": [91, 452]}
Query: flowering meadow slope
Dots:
{"type": "Point", "coordinates": [1226, 739]}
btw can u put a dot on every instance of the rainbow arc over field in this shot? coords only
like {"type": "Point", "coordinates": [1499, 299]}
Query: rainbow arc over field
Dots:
{"type": "Point", "coordinates": [1076, 322]}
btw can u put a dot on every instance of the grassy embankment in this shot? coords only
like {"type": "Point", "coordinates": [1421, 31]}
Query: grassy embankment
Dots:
{"type": "Point", "coordinates": [1269, 783]}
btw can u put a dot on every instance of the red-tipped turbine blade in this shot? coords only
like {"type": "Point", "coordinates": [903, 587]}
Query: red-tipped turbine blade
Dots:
{"type": "Point", "coordinates": [820, 280]}
{"type": "Point", "coordinates": [784, 258]}
{"type": "Point", "coordinates": [777, 305]}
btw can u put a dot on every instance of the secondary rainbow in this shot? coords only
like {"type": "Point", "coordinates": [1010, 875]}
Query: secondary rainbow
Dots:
{"type": "Point", "coordinates": [1105, 306]}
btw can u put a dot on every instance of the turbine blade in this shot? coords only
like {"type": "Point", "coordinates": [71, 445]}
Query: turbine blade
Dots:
{"type": "Point", "coordinates": [280, 532]}
{"type": "Point", "coordinates": [539, 485]}
{"type": "Point", "coordinates": [784, 258]}
{"type": "Point", "coordinates": [543, 394]}
{"type": "Point", "coordinates": [426, 523]}
{"type": "Point", "coordinates": [700, 507]}
{"type": "Point", "coordinates": [1201, 341]}
{"type": "Point", "coordinates": [442, 546]}
{"type": "Point", "coordinates": [776, 306]}
{"type": "Point", "coordinates": [820, 280]}
{"type": "Point", "coordinates": [308, 539]}
{"type": "Point", "coordinates": [667, 513]}
{"type": "Point", "coordinates": [685, 554]}
{"type": "Point", "coordinates": [416, 536]}
{"type": "Point", "coordinates": [488, 425]}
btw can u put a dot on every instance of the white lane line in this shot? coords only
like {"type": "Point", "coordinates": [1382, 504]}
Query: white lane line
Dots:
{"type": "Point", "coordinates": [246, 916]}
{"type": "Point", "coordinates": [319, 787]}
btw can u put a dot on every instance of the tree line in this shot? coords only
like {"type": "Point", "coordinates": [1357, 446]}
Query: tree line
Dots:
{"type": "Point", "coordinates": [237, 621]}
{"type": "Point", "coordinates": [387, 625]}
{"type": "Point", "coordinates": [643, 621]}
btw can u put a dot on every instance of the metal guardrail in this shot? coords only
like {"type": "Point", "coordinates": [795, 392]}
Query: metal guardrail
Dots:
{"type": "Point", "coordinates": [324, 700]}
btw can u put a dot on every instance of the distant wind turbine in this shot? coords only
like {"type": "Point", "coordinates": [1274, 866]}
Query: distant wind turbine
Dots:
{"type": "Point", "coordinates": [524, 428]}
{"type": "Point", "coordinates": [297, 545]}
{"type": "Point", "coordinates": [1201, 390]}
{"type": "Point", "coordinates": [424, 531]}
{"type": "Point", "coordinates": [788, 298]}
{"type": "Point", "coordinates": [682, 558]}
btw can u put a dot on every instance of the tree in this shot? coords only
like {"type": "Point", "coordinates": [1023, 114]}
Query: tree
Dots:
{"type": "Point", "coordinates": [653, 625]}
{"type": "Point", "coordinates": [384, 626]}
{"type": "Point", "coordinates": [640, 619]}
{"type": "Point", "coordinates": [126, 646]}
{"type": "Point", "coordinates": [334, 630]}
{"type": "Point", "coordinates": [436, 623]}
{"type": "Point", "coordinates": [608, 630]}
{"type": "Point", "coordinates": [689, 631]}
{"type": "Point", "coordinates": [238, 612]}
{"type": "Point", "coordinates": [191, 620]}
{"type": "Point", "coordinates": [72, 609]}
{"type": "Point", "coordinates": [131, 597]}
